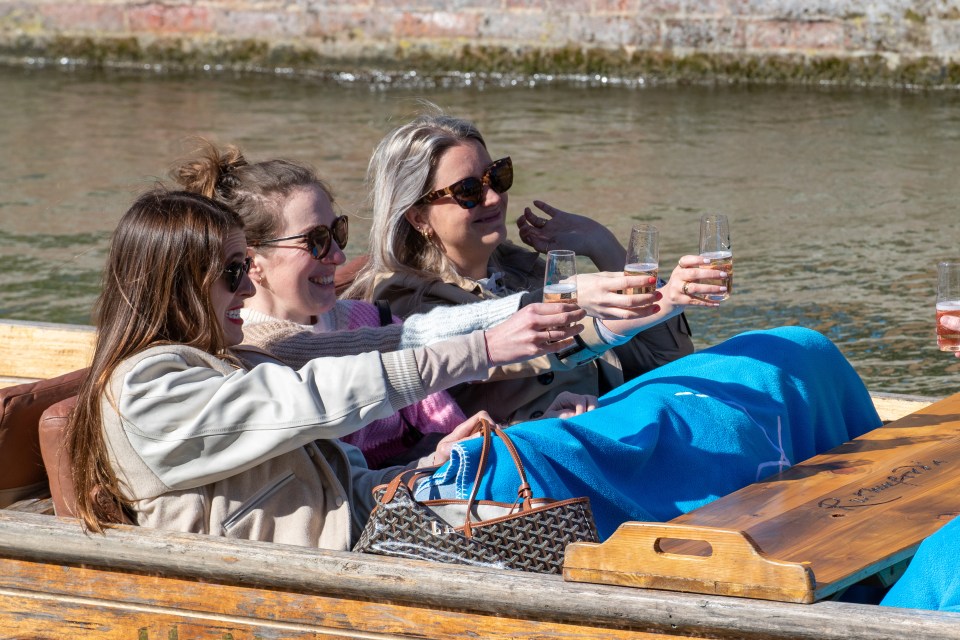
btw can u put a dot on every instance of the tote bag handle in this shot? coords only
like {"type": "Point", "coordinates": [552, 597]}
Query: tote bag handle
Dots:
{"type": "Point", "coordinates": [524, 493]}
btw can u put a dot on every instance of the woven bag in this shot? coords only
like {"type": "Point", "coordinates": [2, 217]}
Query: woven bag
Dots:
{"type": "Point", "coordinates": [529, 535]}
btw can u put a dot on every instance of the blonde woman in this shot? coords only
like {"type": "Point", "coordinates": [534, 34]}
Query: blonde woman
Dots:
{"type": "Point", "coordinates": [439, 239]}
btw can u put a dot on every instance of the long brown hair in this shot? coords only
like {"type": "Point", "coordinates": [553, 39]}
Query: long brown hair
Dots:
{"type": "Point", "coordinates": [165, 256]}
{"type": "Point", "coordinates": [256, 191]}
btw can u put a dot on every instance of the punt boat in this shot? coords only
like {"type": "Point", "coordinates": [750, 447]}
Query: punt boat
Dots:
{"type": "Point", "coordinates": [137, 584]}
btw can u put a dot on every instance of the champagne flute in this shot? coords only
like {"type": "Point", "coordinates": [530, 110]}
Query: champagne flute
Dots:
{"type": "Point", "coordinates": [643, 256]}
{"type": "Point", "coordinates": [715, 246]}
{"type": "Point", "coordinates": [948, 304]}
{"type": "Point", "coordinates": [560, 279]}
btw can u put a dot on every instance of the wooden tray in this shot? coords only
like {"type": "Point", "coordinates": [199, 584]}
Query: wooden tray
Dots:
{"type": "Point", "coordinates": [804, 534]}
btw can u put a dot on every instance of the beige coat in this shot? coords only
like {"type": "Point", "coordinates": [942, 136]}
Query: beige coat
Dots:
{"type": "Point", "coordinates": [203, 446]}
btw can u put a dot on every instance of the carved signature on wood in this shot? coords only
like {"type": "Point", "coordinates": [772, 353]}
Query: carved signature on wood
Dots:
{"type": "Point", "coordinates": [901, 477]}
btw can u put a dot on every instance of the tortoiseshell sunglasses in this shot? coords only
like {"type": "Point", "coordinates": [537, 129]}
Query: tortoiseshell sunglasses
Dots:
{"type": "Point", "coordinates": [468, 192]}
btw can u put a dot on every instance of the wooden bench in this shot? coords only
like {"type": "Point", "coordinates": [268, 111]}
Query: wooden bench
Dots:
{"type": "Point", "coordinates": [804, 534]}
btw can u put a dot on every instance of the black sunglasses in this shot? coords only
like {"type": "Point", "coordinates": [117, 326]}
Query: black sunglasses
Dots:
{"type": "Point", "coordinates": [469, 192]}
{"type": "Point", "coordinates": [233, 273]}
{"type": "Point", "coordinates": [318, 238]}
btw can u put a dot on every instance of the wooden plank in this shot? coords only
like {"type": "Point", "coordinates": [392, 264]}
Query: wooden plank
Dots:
{"type": "Point", "coordinates": [34, 505]}
{"type": "Point", "coordinates": [98, 604]}
{"type": "Point", "coordinates": [43, 350]}
{"type": "Point", "coordinates": [428, 596]}
{"type": "Point", "coordinates": [852, 512]}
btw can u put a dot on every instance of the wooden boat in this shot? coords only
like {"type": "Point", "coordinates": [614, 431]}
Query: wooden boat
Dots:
{"type": "Point", "coordinates": [56, 581]}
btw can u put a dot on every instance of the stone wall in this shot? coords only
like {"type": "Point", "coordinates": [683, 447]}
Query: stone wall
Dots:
{"type": "Point", "coordinates": [883, 41]}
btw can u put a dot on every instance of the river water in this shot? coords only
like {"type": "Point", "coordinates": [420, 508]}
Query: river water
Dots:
{"type": "Point", "coordinates": [841, 201]}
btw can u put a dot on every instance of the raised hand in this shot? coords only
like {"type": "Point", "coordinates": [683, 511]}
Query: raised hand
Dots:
{"type": "Point", "coordinates": [533, 331]}
{"type": "Point", "coordinates": [563, 230]}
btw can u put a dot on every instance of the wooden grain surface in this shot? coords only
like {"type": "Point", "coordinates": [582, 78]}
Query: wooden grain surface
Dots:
{"type": "Point", "coordinates": [106, 605]}
{"type": "Point", "coordinates": [32, 350]}
{"type": "Point", "coordinates": [849, 513]}
{"type": "Point", "coordinates": [209, 581]}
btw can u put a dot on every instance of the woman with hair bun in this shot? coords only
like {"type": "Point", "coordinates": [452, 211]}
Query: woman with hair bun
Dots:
{"type": "Point", "coordinates": [296, 243]}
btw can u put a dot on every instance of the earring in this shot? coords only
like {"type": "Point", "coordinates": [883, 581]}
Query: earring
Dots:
{"type": "Point", "coordinates": [427, 233]}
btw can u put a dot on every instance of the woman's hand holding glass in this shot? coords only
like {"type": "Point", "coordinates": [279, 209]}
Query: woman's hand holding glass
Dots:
{"type": "Point", "coordinates": [951, 323]}
{"type": "Point", "coordinates": [533, 331]}
{"type": "Point", "coordinates": [603, 296]}
{"type": "Point", "coordinates": [684, 288]}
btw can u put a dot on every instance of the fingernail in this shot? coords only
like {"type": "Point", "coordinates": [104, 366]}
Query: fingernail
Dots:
{"type": "Point", "coordinates": [723, 288]}
{"type": "Point", "coordinates": [706, 261]}
{"type": "Point", "coordinates": [656, 308]}
{"type": "Point", "coordinates": [652, 280]}
{"type": "Point", "coordinates": [657, 296]}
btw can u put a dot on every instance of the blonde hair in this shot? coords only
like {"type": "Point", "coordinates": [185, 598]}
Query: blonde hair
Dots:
{"type": "Point", "coordinates": [402, 168]}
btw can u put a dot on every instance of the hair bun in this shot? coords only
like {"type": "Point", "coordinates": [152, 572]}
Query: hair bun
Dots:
{"type": "Point", "coordinates": [228, 160]}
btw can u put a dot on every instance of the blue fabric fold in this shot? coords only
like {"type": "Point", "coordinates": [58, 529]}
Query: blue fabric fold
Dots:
{"type": "Point", "coordinates": [932, 581]}
{"type": "Point", "coordinates": [684, 434]}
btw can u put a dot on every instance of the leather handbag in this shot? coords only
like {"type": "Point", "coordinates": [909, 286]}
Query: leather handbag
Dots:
{"type": "Point", "coordinates": [528, 535]}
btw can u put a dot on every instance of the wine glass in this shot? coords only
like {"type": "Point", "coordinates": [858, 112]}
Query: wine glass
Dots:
{"type": "Point", "coordinates": [560, 279]}
{"type": "Point", "coordinates": [643, 256]}
{"type": "Point", "coordinates": [715, 246]}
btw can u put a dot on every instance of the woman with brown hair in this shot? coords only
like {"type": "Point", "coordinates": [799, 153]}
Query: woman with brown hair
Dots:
{"type": "Point", "coordinates": [179, 433]}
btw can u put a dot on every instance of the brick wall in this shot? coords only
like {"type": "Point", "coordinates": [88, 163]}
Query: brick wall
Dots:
{"type": "Point", "coordinates": [880, 39]}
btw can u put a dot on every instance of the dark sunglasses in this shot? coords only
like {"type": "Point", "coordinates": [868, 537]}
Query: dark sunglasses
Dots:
{"type": "Point", "coordinates": [469, 192]}
{"type": "Point", "coordinates": [233, 273]}
{"type": "Point", "coordinates": [318, 238]}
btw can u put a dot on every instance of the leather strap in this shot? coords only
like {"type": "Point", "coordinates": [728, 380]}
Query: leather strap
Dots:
{"type": "Point", "coordinates": [524, 493]}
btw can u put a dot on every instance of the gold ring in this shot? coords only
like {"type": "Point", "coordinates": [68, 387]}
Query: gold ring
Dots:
{"type": "Point", "coordinates": [684, 289]}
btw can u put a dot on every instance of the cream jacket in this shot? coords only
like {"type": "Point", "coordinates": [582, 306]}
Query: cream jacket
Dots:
{"type": "Point", "coordinates": [205, 446]}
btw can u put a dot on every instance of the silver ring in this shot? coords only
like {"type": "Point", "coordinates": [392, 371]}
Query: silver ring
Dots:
{"type": "Point", "coordinates": [684, 289]}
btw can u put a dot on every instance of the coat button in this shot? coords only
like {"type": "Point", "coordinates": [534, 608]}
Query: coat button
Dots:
{"type": "Point", "coordinates": [545, 378]}
{"type": "Point", "coordinates": [338, 501]}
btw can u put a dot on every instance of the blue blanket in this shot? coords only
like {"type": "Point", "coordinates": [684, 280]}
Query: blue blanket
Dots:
{"type": "Point", "coordinates": [932, 581]}
{"type": "Point", "coordinates": [684, 434]}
